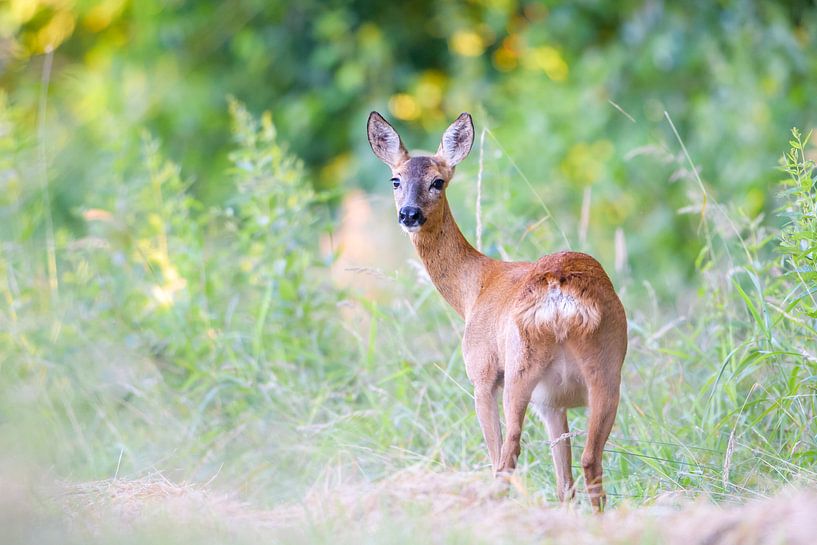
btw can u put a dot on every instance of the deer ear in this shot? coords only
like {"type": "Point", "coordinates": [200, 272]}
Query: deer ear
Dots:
{"type": "Point", "coordinates": [457, 140]}
{"type": "Point", "coordinates": [385, 141]}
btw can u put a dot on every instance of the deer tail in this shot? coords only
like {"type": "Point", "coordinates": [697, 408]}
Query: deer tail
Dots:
{"type": "Point", "coordinates": [560, 306]}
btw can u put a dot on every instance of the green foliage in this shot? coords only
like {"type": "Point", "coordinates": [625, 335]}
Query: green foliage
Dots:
{"type": "Point", "coordinates": [575, 92]}
{"type": "Point", "coordinates": [211, 339]}
{"type": "Point", "coordinates": [221, 302]}
{"type": "Point", "coordinates": [798, 240]}
{"type": "Point", "coordinates": [727, 392]}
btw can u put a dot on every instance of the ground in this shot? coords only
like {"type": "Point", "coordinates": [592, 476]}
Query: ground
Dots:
{"type": "Point", "coordinates": [412, 506]}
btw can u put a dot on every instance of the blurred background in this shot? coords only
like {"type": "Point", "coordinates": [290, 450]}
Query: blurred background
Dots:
{"type": "Point", "coordinates": [202, 272]}
{"type": "Point", "coordinates": [574, 94]}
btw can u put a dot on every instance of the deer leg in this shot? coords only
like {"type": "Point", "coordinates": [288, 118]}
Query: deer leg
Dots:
{"type": "Point", "coordinates": [515, 396]}
{"type": "Point", "coordinates": [602, 374]}
{"type": "Point", "coordinates": [556, 421]}
{"type": "Point", "coordinates": [603, 406]}
{"type": "Point", "coordinates": [488, 416]}
{"type": "Point", "coordinates": [600, 359]}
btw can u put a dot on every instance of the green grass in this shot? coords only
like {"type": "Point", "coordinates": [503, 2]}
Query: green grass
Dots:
{"type": "Point", "coordinates": [210, 344]}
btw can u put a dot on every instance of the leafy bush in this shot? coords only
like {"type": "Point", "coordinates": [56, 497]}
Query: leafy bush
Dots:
{"type": "Point", "coordinates": [167, 313]}
{"type": "Point", "coordinates": [799, 236]}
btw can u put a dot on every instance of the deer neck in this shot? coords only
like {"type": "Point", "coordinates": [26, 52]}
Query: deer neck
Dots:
{"type": "Point", "coordinates": [455, 267]}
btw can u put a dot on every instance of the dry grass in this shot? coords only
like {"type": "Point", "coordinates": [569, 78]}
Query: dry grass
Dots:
{"type": "Point", "coordinates": [427, 507]}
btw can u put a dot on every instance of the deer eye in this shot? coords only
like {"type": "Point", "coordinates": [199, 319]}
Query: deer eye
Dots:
{"type": "Point", "coordinates": [437, 184]}
{"type": "Point", "coordinates": [395, 183]}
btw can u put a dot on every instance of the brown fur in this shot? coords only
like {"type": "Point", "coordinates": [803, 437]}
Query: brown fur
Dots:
{"type": "Point", "coordinates": [551, 333]}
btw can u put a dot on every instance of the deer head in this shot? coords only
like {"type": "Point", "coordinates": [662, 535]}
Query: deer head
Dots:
{"type": "Point", "coordinates": [419, 182]}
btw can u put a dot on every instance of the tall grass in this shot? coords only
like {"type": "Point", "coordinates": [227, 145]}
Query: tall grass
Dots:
{"type": "Point", "coordinates": [209, 343]}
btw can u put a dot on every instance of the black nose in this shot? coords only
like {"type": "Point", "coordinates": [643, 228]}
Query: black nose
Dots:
{"type": "Point", "coordinates": [411, 216]}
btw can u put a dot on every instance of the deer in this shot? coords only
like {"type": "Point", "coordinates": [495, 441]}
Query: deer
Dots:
{"type": "Point", "coordinates": [551, 334]}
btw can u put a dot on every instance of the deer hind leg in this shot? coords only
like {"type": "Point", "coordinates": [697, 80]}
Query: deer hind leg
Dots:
{"type": "Point", "coordinates": [601, 368]}
{"type": "Point", "coordinates": [555, 420]}
{"type": "Point", "coordinates": [603, 405]}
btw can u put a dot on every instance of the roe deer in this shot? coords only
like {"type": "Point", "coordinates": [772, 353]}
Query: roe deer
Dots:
{"type": "Point", "coordinates": [552, 333]}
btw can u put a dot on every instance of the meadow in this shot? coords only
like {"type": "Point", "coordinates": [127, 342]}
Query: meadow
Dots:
{"type": "Point", "coordinates": [218, 351]}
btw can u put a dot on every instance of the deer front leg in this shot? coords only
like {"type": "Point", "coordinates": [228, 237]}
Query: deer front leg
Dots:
{"type": "Point", "coordinates": [481, 366]}
{"type": "Point", "coordinates": [516, 396]}
{"type": "Point", "coordinates": [556, 421]}
{"type": "Point", "coordinates": [488, 416]}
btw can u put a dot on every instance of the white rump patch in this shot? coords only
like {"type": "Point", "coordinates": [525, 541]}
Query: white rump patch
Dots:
{"type": "Point", "coordinates": [561, 313]}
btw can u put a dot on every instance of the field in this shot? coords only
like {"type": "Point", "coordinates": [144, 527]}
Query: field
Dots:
{"type": "Point", "coordinates": [231, 340]}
